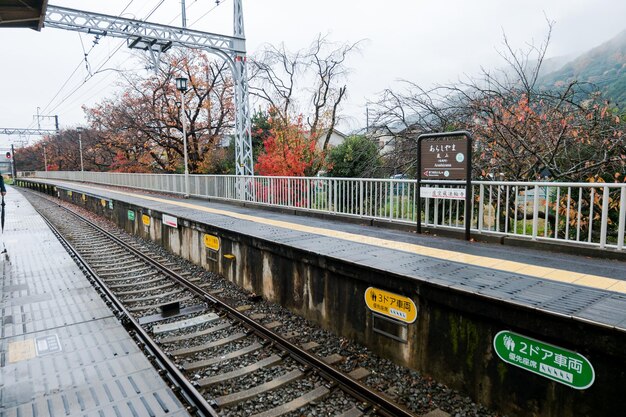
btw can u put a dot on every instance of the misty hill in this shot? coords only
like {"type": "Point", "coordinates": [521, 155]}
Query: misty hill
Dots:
{"type": "Point", "coordinates": [603, 66]}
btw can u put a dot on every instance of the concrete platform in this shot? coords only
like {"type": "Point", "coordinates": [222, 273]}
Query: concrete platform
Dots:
{"type": "Point", "coordinates": [63, 353]}
{"type": "Point", "coordinates": [591, 290]}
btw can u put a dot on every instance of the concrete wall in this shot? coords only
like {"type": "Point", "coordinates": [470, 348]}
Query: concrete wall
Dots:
{"type": "Point", "coordinates": [451, 339]}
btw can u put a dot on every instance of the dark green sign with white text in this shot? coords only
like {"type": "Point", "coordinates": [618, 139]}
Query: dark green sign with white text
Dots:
{"type": "Point", "coordinates": [560, 365]}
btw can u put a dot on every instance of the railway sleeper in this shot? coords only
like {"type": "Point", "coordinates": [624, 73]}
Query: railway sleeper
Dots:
{"type": "Point", "coordinates": [246, 370]}
{"type": "Point", "coordinates": [192, 366]}
{"type": "Point", "coordinates": [175, 339]}
{"type": "Point", "coordinates": [237, 397]}
{"type": "Point", "coordinates": [311, 396]}
{"type": "Point", "coordinates": [220, 342]}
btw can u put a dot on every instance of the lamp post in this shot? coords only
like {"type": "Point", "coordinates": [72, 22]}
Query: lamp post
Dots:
{"type": "Point", "coordinates": [181, 85]}
{"type": "Point", "coordinates": [45, 159]}
{"type": "Point", "coordinates": [80, 148]}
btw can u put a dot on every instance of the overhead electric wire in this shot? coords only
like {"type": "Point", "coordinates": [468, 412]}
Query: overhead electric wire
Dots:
{"type": "Point", "coordinates": [86, 54]}
{"type": "Point", "coordinates": [218, 3]}
{"type": "Point", "coordinates": [98, 70]}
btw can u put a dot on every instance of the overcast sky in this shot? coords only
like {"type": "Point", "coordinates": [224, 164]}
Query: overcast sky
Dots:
{"type": "Point", "coordinates": [424, 41]}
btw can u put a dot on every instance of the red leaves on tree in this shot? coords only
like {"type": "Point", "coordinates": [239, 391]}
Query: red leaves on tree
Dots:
{"type": "Point", "coordinates": [288, 151]}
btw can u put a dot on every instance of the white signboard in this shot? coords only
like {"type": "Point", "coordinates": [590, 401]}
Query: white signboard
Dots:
{"type": "Point", "coordinates": [445, 193]}
{"type": "Point", "coordinates": [170, 221]}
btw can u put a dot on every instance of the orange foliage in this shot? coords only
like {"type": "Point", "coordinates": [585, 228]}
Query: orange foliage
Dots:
{"type": "Point", "coordinates": [288, 150]}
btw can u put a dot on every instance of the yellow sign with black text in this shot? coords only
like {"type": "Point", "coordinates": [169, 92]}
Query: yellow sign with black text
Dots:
{"type": "Point", "coordinates": [212, 242]}
{"type": "Point", "coordinates": [145, 219]}
{"type": "Point", "coordinates": [391, 305]}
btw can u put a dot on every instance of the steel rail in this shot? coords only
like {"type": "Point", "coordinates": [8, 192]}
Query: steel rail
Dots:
{"type": "Point", "coordinates": [159, 358]}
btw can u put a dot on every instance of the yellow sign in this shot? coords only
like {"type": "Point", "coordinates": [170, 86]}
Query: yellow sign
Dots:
{"type": "Point", "coordinates": [22, 350]}
{"type": "Point", "coordinates": [212, 242]}
{"type": "Point", "coordinates": [69, 193]}
{"type": "Point", "coordinates": [391, 305]}
{"type": "Point", "coordinates": [103, 202]}
{"type": "Point", "coordinates": [84, 197]}
{"type": "Point", "coordinates": [145, 219]}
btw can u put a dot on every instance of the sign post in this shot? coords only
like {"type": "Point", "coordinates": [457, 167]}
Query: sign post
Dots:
{"type": "Point", "coordinates": [445, 156]}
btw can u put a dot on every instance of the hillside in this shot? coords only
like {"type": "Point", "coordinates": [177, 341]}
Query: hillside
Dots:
{"type": "Point", "coordinates": [604, 66]}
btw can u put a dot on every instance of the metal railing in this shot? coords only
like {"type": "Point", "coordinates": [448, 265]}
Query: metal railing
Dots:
{"type": "Point", "coordinates": [590, 214]}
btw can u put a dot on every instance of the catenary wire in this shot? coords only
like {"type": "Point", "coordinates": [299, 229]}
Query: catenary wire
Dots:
{"type": "Point", "coordinates": [98, 70]}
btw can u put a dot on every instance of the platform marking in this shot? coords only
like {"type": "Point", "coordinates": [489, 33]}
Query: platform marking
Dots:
{"type": "Point", "coordinates": [22, 350]}
{"type": "Point", "coordinates": [552, 274]}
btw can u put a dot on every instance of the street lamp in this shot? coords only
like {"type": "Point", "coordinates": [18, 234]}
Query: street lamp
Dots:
{"type": "Point", "coordinates": [80, 147]}
{"type": "Point", "coordinates": [181, 85]}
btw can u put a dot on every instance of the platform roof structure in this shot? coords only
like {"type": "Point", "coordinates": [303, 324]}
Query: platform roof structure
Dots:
{"type": "Point", "coordinates": [23, 14]}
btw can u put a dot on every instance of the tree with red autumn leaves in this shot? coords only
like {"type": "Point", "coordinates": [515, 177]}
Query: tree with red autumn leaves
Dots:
{"type": "Point", "coordinates": [288, 150]}
{"type": "Point", "coordinates": [304, 91]}
{"type": "Point", "coordinates": [143, 125]}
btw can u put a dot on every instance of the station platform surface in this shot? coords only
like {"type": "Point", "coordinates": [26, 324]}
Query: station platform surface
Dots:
{"type": "Point", "coordinates": [63, 353]}
{"type": "Point", "coordinates": [581, 288]}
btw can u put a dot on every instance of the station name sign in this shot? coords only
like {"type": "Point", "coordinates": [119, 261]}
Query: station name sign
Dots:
{"type": "Point", "coordinates": [443, 159]}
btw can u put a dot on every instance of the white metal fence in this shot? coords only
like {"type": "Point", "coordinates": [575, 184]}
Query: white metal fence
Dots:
{"type": "Point", "coordinates": [591, 214]}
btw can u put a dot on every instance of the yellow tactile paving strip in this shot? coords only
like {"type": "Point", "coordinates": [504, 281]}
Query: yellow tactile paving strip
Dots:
{"type": "Point", "coordinates": [553, 274]}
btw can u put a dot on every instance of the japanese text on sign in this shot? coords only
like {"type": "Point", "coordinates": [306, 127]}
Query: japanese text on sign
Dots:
{"type": "Point", "coordinates": [443, 159]}
{"type": "Point", "coordinates": [445, 193]}
{"type": "Point", "coordinates": [391, 305]}
{"type": "Point", "coordinates": [553, 362]}
{"type": "Point", "coordinates": [212, 242]}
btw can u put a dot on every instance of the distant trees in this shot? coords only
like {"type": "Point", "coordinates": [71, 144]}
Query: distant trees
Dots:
{"type": "Point", "coordinates": [140, 129]}
{"type": "Point", "coordinates": [521, 130]}
{"type": "Point", "coordinates": [357, 156]}
{"type": "Point", "coordinates": [143, 125]}
{"type": "Point", "coordinates": [62, 152]}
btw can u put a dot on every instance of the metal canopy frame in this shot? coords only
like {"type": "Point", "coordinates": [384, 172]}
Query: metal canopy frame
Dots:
{"type": "Point", "coordinates": [19, 131]}
{"type": "Point", "coordinates": [157, 38]}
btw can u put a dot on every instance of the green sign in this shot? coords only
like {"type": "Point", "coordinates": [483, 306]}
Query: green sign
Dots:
{"type": "Point", "coordinates": [131, 215]}
{"type": "Point", "coordinates": [561, 365]}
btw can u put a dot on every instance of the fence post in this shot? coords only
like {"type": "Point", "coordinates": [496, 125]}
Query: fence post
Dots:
{"type": "Point", "coordinates": [622, 218]}
{"type": "Point", "coordinates": [481, 208]}
{"type": "Point", "coordinates": [605, 216]}
{"type": "Point", "coordinates": [391, 193]}
{"type": "Point", "coordinates": [335, 195]}
{"type": "Point", "coordinates": [536, 212]}
{"type": "Point", "coordinates": [361, 197]}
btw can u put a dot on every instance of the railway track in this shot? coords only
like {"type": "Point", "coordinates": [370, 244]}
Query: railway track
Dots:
{"type": "Point", "coordinates": [220, 360]}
